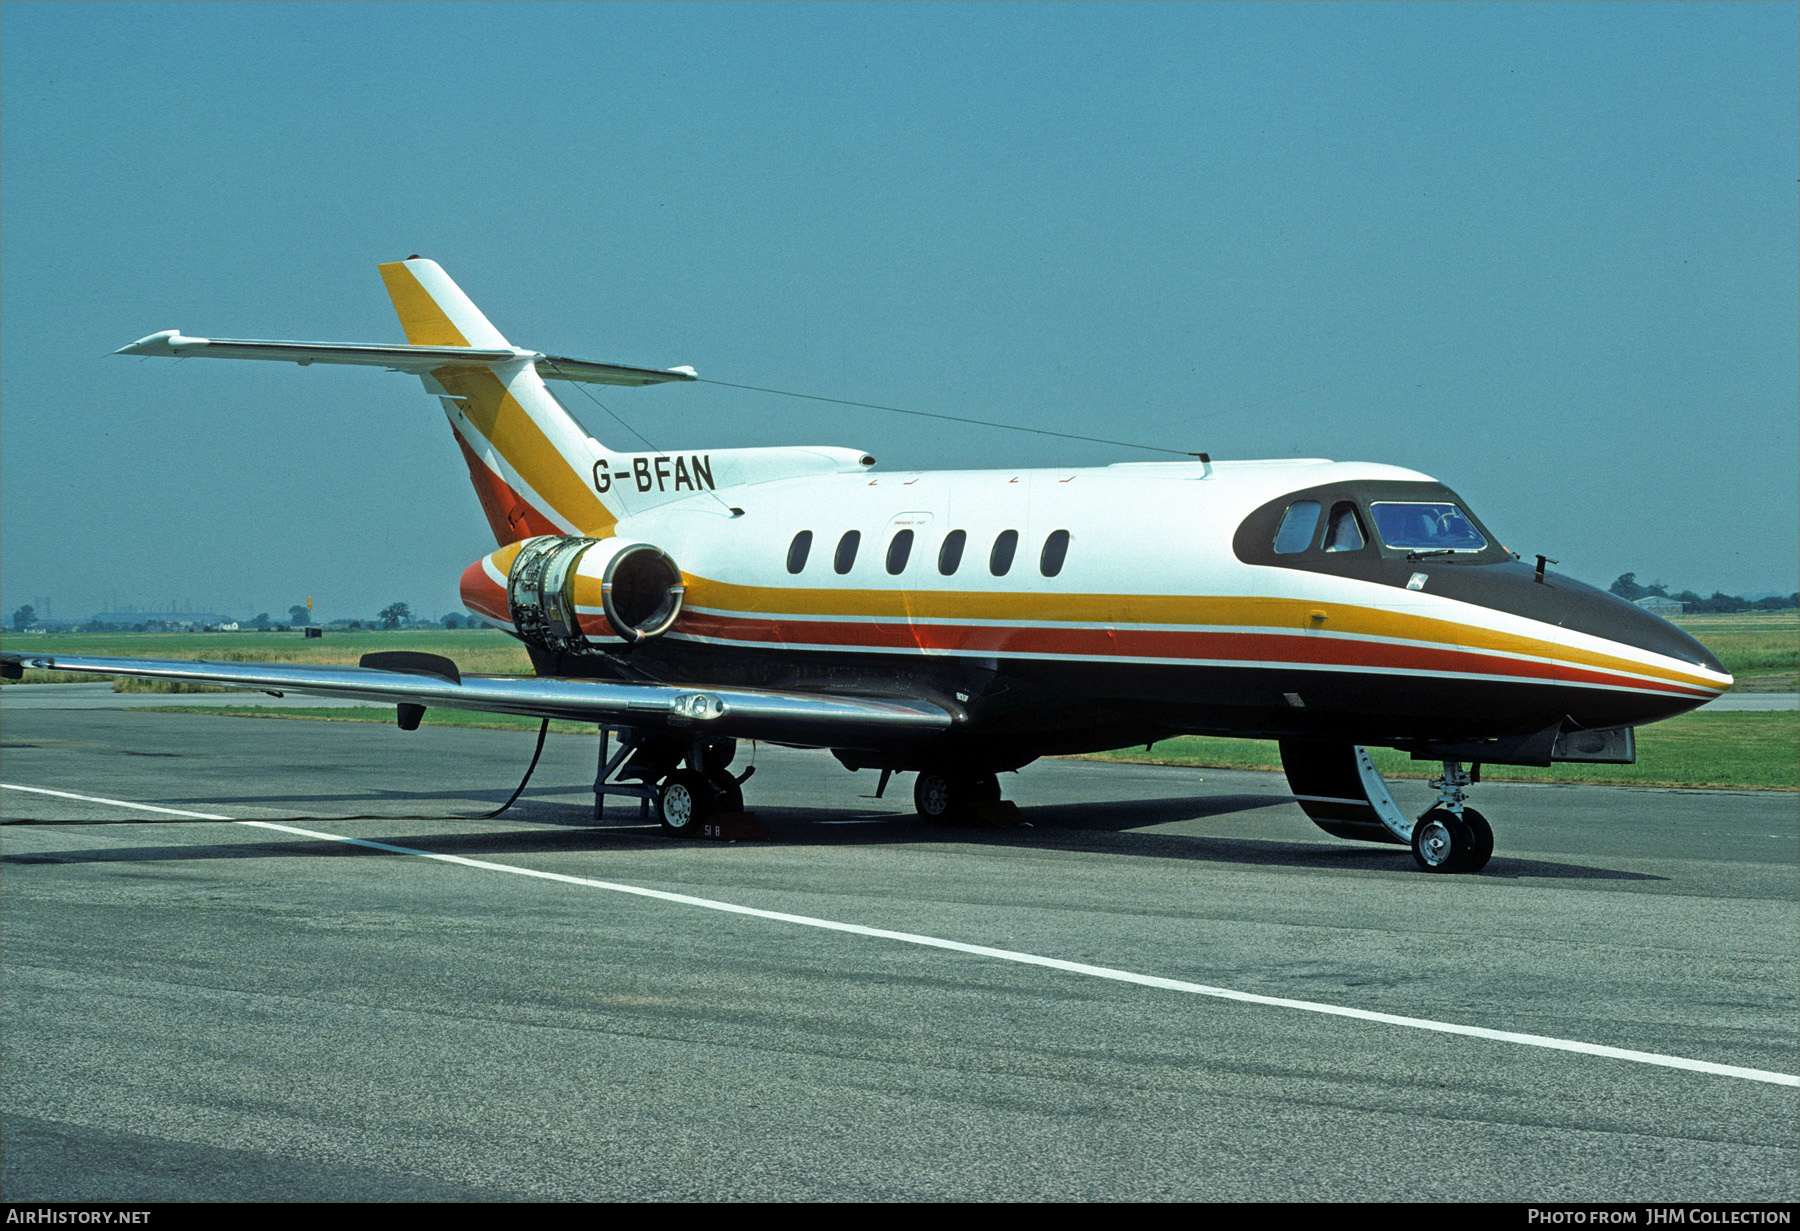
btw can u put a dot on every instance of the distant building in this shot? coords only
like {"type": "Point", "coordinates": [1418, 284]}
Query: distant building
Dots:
{"type": "Point", "coordinates": [1659, 605]}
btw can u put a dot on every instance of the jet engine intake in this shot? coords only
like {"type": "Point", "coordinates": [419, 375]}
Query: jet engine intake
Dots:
{"type": "Point", "coordinates": [573, 595]}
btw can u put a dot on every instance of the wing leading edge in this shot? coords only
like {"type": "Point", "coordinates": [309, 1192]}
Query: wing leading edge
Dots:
{"type": "Point", "coordinates": [743, 713]}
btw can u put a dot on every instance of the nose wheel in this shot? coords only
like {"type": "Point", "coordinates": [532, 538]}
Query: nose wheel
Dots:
{"type": "Point", "coordinates": [1450, 837]}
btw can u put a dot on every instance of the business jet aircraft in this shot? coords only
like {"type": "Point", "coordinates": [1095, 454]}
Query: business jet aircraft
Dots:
{"type": "Point", "coordinates": [960, 624]}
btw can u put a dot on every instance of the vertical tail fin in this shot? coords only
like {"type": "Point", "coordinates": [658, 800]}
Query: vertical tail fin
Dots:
{"type": "Point", "coordinates": [433, 310]}
{"type": "Point", "coordinates": [528, 459]}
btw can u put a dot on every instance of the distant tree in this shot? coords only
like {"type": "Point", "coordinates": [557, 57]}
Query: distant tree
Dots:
{"type": "Point", "coordinates": [299, 615]}
{"type": "Point", "coordinates": [453, 621]}
{"type": "Point", "coordinates": [23, 617]}
{"type": "Point", "coordinates": [1776, 603]}
{"type": "Point", "coordinates": [356, 624]}
{"type": "Point", "coordinates": [392, 614]}
{"type": "Point", "coordinates": [1627, 587]}
{"type": "Point", "coordinates": [261, 621]}
{"type": "Point", "coordinates": [1719, 604]}
{"type": "Point", "coordinates": [1659, 588]}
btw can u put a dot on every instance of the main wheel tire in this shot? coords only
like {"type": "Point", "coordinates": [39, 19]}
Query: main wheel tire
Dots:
{"type": "Point", "coordinates": [1481, 848]}
{"type": "Point", "coordinates": [984, 788]}
{"type": "Point", "coordinates": [717, 757]}
{"type": "Point", "coordinates": [937, 795]}
{"type": "Point", "coordinates": [730, 796]}
{"type": "Point", "coordinates": [1441, 842]}
{"type": "Point", "coordinates": [683, 803]}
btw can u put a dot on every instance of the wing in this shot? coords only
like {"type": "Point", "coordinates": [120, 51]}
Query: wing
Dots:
{"type": "Point", "coordinates": [812, 719]}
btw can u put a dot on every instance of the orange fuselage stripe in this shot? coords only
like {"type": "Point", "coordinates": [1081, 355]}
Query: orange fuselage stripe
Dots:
{"type": "Point", "coordinates": [1108, 611]}
{"type": "Point", "coordinates": [1073, 641]}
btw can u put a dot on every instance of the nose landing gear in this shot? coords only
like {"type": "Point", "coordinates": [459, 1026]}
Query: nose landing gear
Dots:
{"type": "Point", "coordinates": [1338, 786]}
{"type": "Point", "coordinates": [1450, 837]}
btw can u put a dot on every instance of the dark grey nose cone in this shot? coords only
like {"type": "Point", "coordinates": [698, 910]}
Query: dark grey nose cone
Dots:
{"type": "Point", "coordinates": [1608, 615]}
{"type": "Point", "coordinates": [1571, 604]}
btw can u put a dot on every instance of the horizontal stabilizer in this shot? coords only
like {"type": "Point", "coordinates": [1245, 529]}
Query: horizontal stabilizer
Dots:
{"type": "Point", "coordinates": [419, 360]}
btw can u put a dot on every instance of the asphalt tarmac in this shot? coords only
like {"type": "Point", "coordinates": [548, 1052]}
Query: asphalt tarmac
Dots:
{"type": "Point", "coordinates": [195, 1009]}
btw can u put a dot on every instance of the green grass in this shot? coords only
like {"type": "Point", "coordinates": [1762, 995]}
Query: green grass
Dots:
{"type": "Point", "coordinates": [1749, 644]}
{"type": "Point", "coordinates": [477, 651]}
{"type": "Point", "coordinates": [1738, 750]}
{"type": "Point", "coordinates": [1760, 648]}
{"type": "Point", "coordinates": [1726, 750]}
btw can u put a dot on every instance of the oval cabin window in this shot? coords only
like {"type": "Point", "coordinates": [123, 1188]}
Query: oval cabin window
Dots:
{"type": "Point", "coordinates": [846, 551]}
{"type": "Point", "coordinates": [798, 549]}
{"type": "Point", "coordinates": [1001, 558]}
{"type": "Point", "coordinates": [1056, 550]}
{"type": "Point", "coordinates": [898, 550]}
{"type": "Point", "coordinates": [950, 554]}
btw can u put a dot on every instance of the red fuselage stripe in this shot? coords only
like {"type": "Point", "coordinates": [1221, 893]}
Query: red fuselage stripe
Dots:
{"type": "Point", "coordinates": [1128, 643]}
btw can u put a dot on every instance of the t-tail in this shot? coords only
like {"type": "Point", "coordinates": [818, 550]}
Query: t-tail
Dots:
{"type": "Point", "coordinates": [532, 464]}
{"type": "Point", "coordinates": [535, 469]}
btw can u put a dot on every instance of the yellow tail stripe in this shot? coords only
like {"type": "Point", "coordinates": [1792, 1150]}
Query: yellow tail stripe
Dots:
{"type": "Point", "coordinates": [493, 412]}
{"type": "Point", "coordinates": [424, 322]}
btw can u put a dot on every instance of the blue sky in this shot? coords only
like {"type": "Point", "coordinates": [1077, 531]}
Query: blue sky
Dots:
{"type": "Point", "coordinates": [1546, 253]}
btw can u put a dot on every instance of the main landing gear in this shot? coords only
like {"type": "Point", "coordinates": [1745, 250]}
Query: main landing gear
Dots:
{"type": "Point", "coordinates": [1339, 787]}
{"type": "Point", "coordinates": [953, 796]}
{"type": "Point", "coordinates": [701, 800]}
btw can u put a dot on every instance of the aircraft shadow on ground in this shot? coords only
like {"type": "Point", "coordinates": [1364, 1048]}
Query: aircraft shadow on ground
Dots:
{"type": "Point", "coordinates": [1114, 828]}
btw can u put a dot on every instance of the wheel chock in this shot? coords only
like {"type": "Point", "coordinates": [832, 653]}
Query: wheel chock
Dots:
{"type": "Point", "coordinates": [990, 814]}
{"type": "Point", "coordinates": [733, 827]}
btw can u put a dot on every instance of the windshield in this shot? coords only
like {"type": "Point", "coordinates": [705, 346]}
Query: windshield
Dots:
{"type": "Point", "coordinates": [1426, 527]}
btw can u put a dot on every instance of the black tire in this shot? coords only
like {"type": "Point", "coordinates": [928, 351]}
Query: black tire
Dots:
{"type": "Point", "coordinates": [984, 788]}
{"type": "Point", "coordinates": [1441, 842]}
{"type": "Point", "coordinates": [1481, 848]}
{"type": "Point", "coordinates": [683, 803]}
{"type": "Point", "coordinates": [717, 757]}
{"type": "Point", "coordinates": [730, 797]}
{"type": "Point", "coordinates": [936, 794]}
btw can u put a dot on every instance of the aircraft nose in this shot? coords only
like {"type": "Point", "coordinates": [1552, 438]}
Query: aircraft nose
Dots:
{"type": "Point", "coordinates": [1629, 624]}
{"type": "Point", "coordinates": [1598, 613]}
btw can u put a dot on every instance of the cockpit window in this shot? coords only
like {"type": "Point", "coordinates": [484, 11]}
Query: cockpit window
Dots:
{"type": "Point", "coordinates": [1297, 526]}
{"type": "Point", "coordinates": [1345, 532]}
{"type": "Point", "coordinates": [1426, 527]}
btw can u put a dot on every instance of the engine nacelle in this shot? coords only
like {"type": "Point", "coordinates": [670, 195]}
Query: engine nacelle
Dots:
{"type": "Point", "coordinates": [576, 595]}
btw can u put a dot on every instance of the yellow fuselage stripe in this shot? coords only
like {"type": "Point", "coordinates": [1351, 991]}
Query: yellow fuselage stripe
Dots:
{"type": "Point", "coordinates": [1111, 610]}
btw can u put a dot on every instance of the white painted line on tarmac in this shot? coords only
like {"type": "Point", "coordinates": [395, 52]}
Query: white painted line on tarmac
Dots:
{"type": "Point", "coordinates": [117, 803]}
{"type": "Point", "coordinates": [1009, 955]}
